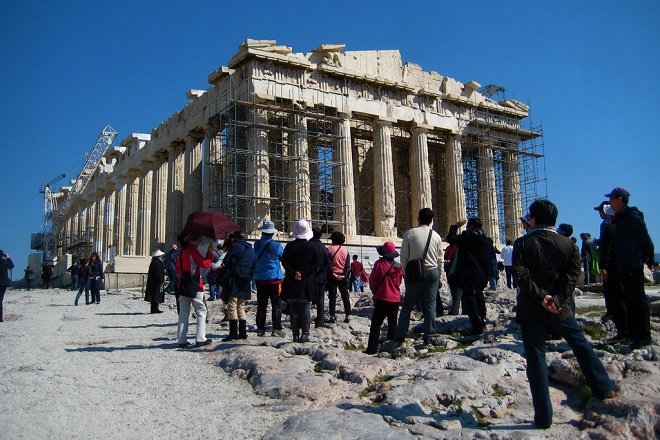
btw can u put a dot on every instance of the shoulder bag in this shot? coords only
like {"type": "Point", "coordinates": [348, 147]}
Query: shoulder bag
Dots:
{"type": "Point", "coordinates": [188, 283]}
{"type": "Point", "coordinates": [415, 268]}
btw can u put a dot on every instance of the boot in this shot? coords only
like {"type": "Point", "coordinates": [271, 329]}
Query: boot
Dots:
{"type": "Point", "coordinates": [242, 329]}
{"type": "Point", "coordinates": [296, 331]}
{"type": "Point", "coordinates": [305, 332]}
{"type": "Point", "coordinates": [233, 331]}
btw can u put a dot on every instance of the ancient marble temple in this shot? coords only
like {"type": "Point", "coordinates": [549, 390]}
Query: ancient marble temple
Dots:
{"type": "Point", "coordinates": [357, 142]}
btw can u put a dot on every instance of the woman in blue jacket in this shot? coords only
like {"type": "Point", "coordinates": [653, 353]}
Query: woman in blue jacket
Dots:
{"type": "Point", "coordinates": [268, 277]}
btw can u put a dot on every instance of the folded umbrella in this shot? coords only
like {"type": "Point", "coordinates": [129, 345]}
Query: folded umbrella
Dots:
{"type": "Point", "coordinates": [210, 224]}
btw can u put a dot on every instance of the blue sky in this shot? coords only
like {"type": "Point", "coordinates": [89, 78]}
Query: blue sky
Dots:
{"type": "Point", "coordinates": [589, 70]}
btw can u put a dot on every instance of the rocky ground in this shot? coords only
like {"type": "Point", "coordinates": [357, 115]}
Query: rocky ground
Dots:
{"type": "Point", "coordinates": [454, 386]}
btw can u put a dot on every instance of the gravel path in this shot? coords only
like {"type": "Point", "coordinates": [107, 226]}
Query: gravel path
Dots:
{"type": "Point", "coordinates": [113, 371]}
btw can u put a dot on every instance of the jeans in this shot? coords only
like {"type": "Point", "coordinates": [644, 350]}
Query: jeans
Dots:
{"type": "Point", "coordinates": [357, 284]}
{"type": "Point", "coordinates": [83, 285]}
{"type": "Point", "coordinates": [214, 291]}
{"type": "Point", "coordinates": [426, 290]}
{"type": "Point", "coordinates": [533, 336]}
{"type": "Point", "coordinates": [342, 285]}
{"type": "Point", "coordinates": [510, 280]}
{"type": "Point", "coordinates": [184, 316]}
{"type": "Point", "coordinates": [639, 313]}
{"type": "Point", "coordinates": [382, 309]}
{"type": "Point", "coordinates": [74, 282]}
{"type": "Point", "coordinates": [264, 293]}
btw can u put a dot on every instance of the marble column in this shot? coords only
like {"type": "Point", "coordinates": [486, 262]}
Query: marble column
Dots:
{"type": "Point", "coordinates": [82, 225]}
{"type": "Point", "coordinates": [513, 208]}
{"type": "Point", "coordinates": [99, 207]}
{"type": "Point", "coordinates": [132, 206]}
{"type": "Point", "coordinates": [384, 200]}
{"type": "Point", "coordinates": [75, 224]}
{"type": "Point", "coordinates": [258, 183]}
{"type": "Point", "coordinates": [144, 211]}
{"type": "Point", "coordinates": [344, 184]}
{"type": "Point", "coordinates": [299, 192]}
{"type": "Point", "coordinates": [192, 200]}
{"type": "Point", "coordinates": [119, 229]}
{"type": "Point", "coordinates": [108, 226]}
{"type": "Point", "coordinates": [487, 195]}
{"type": "Point", "coordinates": [175, 218]}
{"type": "Point", "coordinates": [420, 171]}
{"type": "Point", "coordinates": [159, 202]}
{"type": "Point", "coordinates": [212, 196]}
{"type": "Point", "coordinates": [456, 209]}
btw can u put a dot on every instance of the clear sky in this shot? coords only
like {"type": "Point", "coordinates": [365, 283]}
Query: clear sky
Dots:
{"type": "Point", "coordinates": [590, 70]}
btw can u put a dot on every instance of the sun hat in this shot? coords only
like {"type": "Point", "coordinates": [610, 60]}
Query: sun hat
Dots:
{"type": "Point", "coordinates": [302, 230]}
{"type": "Point", "coordinates": [158, 253]}
{"type": "Point", "coordinates": [387, 250]}
{"type": "Point", "coordinates": [268, 227]}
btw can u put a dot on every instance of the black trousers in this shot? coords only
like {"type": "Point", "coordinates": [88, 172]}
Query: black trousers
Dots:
{"type": "Point", "coordinates": [615, 302]}
{"type": "Point", "coordinates": [637, 304]}
{"type": "Point", "coordinates": [510, 279]}
{"type": "Point", "coordinates": [270, 292]}
{"type": "Point", "coordinates": [320, 304]}
{"type": "Point", "coordinates": [3, 289]}
{"type": "Point", "coordinates": [342, 285]}
{"type": "Point", "coordinates": [382, 310]}
{"type": "Point", "coordinates": [474, 305]}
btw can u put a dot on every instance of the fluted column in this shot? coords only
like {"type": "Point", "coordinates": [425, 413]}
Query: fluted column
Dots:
{"type": "Point", "coordinates": [300, 204]}
{"type": "Point", "coordinates": [212, 196]}
{"type": "Point", "coordinates": [456, 209]}
{"type": "Point", "coordinates": [344, 184]}
{"type": "Point", "coordinates": [119, 229]}
{"type": "Point", "coordinates": [99, 206]}
{"type": "Point", "coordinates": [192, 200]}
{"type": "Point", "coordinates": [384, 200]}
{"type": "Point", "coordinates": [159, 202]}
{"type": "Point", "coordinates": [420, 171]}
{"type": "Point", "coordinates": [132, 206]}
{"type": "Point", "coordinates": [513, 208]}
{"type": "Point", "coordinates": [90, 212]}
{"type": "Point", "coordinates": [258, 184]}
{"type": "Point", "coordinates": [144, 212]}
{"type": "Point", "coordinates": [487, 195]}
{"type": "Point", "coordinates": [108, 226]}
{"type": "Point", "coordinates": [175, 192]}
{"type": "Point", "coordinates": [82, 225]}
{"type": "Point", "coordinates": [75, 224]}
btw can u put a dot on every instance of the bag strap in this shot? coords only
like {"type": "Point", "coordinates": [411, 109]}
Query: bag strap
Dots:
{"type": "Point", "coordinates": [383, 279]}
{"type": "Point", "coordinates": [426, 248]}
{"type": "Point", "coordinates": [242, 255]}
{"type": "Point", "coordinates": [333, 255]}
{"type": "Point", "coordinates": [261, 252]}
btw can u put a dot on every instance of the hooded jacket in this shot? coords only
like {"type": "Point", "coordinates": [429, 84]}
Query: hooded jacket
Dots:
{"type": "Point", "coordinates": [473, 265]}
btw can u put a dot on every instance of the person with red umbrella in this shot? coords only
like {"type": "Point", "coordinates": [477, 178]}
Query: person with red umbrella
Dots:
{"type": "Point", "coordinates": [190, 260]}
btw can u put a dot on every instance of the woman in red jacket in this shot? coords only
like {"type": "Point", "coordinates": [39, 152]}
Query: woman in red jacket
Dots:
{"type": "Point", "coordinates": [385, 282]}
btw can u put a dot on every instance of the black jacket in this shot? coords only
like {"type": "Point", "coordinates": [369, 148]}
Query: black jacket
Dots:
{"type": "Point", "coordinates": [5, 265]}
{"type": "Point", "coordinates": [632, 244]}
{"type": "Point", "coordinates": [545, 263]}
{"type": "Point", "coordinates": [473, 266]}
{"type": "Point", "coordinates": [155, 279]}
{"type": "Point", "coordinates": [299, 256]}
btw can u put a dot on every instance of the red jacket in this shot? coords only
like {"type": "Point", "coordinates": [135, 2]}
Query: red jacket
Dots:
{"type": "Point", "coordinates": [385, 280]}
{"type": "Point", "coordinates": [190, 260]}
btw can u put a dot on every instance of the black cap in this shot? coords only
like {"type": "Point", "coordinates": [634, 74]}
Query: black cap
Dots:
{"type": "Point", "coordinates": [603, 203]}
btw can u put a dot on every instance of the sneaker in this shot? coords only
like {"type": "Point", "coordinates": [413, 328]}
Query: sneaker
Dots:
{"type": "Point", "coordinates": [261, 332]}
{"type": "Point", "coordinates": [347, 320]}
{"type": "Point", "coordinates": [370, 352]}
{"type": "Point", "coordinates": [639, 343]}
{"type": "Point", "coordinates": [617, 338]}
{"type": "Point", "coordinates": [203, 343]}
{"type": "Point", "coordinates": [185, 345]}
{"type": "Point", "coordinates": [332, 319]}
{"type": "Point", "coordinates": [278, 333]}
{"type": "Point", "coordinates": [76, 303]}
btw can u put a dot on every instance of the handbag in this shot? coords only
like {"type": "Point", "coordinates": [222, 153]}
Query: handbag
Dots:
{"type": "Point", "coordinates": [415, 268]}
{"type": "Point", "coordinates": [188, 284]}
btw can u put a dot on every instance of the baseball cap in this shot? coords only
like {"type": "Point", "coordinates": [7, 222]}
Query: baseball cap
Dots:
{"type": "Point", "coordinates": [618, 192]}
{"type": "Point", "coordinates": [603, 203]}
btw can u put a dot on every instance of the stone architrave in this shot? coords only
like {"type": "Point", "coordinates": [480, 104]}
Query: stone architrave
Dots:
{"type": "Point", "coordinates": [119, 230]}
{"type": "Point", "coordinates": [487, 195]}
{"type": "Point", "coordinates": [144, 212]}
{"type": "Point", "coordinates": [175, 192]}
{"type": "Point", "coordinates": [132, 206]}
{"type": "Point", "coordinates": [299, 186]}
{"type": "Point", "coordinates": [384, 200]}
{"type": "Point", "coordinates": [420, 172]}
{"type": "Point", "coordinates": [108, 224]}
{"type": "Point", "coordinates": [512, 197]}
{"type": "Point", "coordinates": [456, 209]}
{"type": "Point", "coordinates": [258, 183]}
{"type": "Point", "coordinates": [344, 183]}
{"type": "Point", "coordinates": [159, 202]}
{"type": "Point", "coordinates": [192, 200]}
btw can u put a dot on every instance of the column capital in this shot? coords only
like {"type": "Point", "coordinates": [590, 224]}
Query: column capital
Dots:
{"type": "Point", "coordinates": [421, 127]}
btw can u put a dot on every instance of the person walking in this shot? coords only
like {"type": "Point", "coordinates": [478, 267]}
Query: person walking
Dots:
{"type": "Point", "coordinates": [385, 284]}
{"type": "Point", "coordinates": [338, 276]}
{"type": "Point", "coordinates": [154, 292]}
{"type": "Point", "coordinates": [421, 243]}
{"type": "Point", "coordinates": [84, 277]}
{"type": "Point", "coordinates": [73, 270]}
{"type": "Point", "coordinates": [240, 262]}
{"type": "Point", "coordinates": [547, 267]}
{"type": "Point", "coordinates": [633, 249]}
{"type": "Point", "coordinates": [507, 259]}
{"type": "Point", "coordinates": [451, 252]}
{"type": "Point", "coordinates": [97, 280]}
{"type": "Point", "coordinates": [268, 277]}
{"type": "Point", "coordinates": [472, 269]}
{"type": "Point", "coordinates": [615, 301]}
{"type": "Point", "coordinates": [320, 276]}
{"type": "Point", "coordinates": [190, 260]}
{"type": "Point", "coordinates": [29, 276]}
{"type": "Point", "coordinates": [300, 261]}
{"type": "Point", "coordinates": [5, 266]}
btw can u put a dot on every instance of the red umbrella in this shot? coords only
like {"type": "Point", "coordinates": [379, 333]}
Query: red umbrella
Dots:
{"type": "Point", "coordinates": [211, 224]}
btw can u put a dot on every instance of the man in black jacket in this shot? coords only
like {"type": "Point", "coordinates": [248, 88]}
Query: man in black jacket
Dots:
{"type": "Point", "coordinates": [633, 249]}
{"type": "Point", "coordinates": [321, 275]}
{"type": "Point", "coordinates": [547, 266]}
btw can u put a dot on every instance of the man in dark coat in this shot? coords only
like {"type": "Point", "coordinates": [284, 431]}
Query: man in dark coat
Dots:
{"type": "Point", "coordinates": [633, 249]}
{"type": "Point", "coordinates": [321, 275]}
{"type": "Point", "coordinates": [472, 269]}
{"type": "Point", "coordinates": [154, 292]}
{"type": "Point", "coordinates": [547, 266]}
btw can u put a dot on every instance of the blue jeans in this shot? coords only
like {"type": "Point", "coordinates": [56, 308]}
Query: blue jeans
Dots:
{"type": "Point", "coordinates": [83, 285]}
{"type": "Point", "coordinates": [426, 291]}
{"type": "Point", "coordinates": [74, 282]}
{"type": "Point", "coordinates": [357, 284]}
{"type": "Point", "coordinates": [533, 336]}
{"type": "Point", "coordinates": [214, 291]}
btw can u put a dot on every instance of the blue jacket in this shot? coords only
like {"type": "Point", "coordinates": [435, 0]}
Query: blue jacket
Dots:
{"type": "Point", "coordinates": [632, 244]}
{"type": "Point", "coordinates": [241, 268]}
{"type": "Point", "coordinates": [268, 253]}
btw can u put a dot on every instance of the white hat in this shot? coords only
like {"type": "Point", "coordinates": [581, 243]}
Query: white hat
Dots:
{"type": "Point", "coordinates": [302, 230]}
{"type": "Point", "coordinates": [268, 227]}
{"type": "Point", "coordinates": [158, 253]}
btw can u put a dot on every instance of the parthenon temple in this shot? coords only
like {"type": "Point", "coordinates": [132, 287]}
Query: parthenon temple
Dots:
{"type": "Point", "coordinates": [356, 142]}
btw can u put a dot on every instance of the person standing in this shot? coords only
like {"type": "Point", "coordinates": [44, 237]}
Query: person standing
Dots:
{"type": "Point", "coordinates": [421, 242]}
{"type": "Point", "coordinates": [73, 270]}
{"type": "Point", "coordinates": [98, 277]}
{"type": "Point", "coordinates": [320, 276]}
{"type": "Point", "coordinates": [191, 261]}
{"type": "Point", "coordinates": [338, 276]}
{"type": "Point", "coordinates": [84, 276]}
{"type": "Point", "coordinates": [633, 249]}
{"type": "Point", "coordinates": [171, 271]}
{"type": "Point", "coordinates": [29, 276]}
{"type": "Point", "coordinates": [585, 254]}
{"type": "Point", "coordinates": [154, 292]}
{"type": "Point", "coordinates": [385, 283]}
{"type": "Point", "coordinates": [507, 254]}
{"type": "Point", "coordinates": [615, 301]}
{"type": "Point", "coordinates": [46, 274]}
{"type": "Point", "coordinates": [358, 275]}
{"type": "Point", "coordinates": [547, 267]}
{"type": "Point", "coordinates": [5, 265]}
{"type": "Point", "coordinates": [240, 262]}
{"type": "Point", "coordinates": [472, 269]}
{"type": "Point", "coordinates": [300, 261]}
{"type": "Point", "coordinates": [268, 276]}
{"type": "Point", "coordinates": [451, 252]}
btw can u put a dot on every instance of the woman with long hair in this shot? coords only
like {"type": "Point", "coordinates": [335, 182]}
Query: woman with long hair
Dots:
{"type": "Point", "coordinates": [96, 278]}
